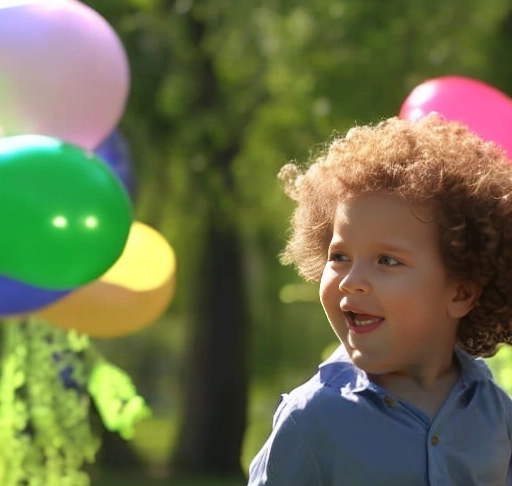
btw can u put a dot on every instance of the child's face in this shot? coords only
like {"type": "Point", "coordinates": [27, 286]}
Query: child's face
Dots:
{"type": "Point", "coordinates": [384, 288]}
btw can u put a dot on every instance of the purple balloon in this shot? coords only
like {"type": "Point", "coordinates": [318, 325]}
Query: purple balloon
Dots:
{"type": "Point", "coordinates": [20, 298]}
{"type": "Point", "coordinates": [65, 72]}
{"type": "Point", "coordinates": [115, 151]}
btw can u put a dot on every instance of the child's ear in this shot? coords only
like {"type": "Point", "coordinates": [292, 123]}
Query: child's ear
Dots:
{"type": "Point", "coordinates": [463, 299]}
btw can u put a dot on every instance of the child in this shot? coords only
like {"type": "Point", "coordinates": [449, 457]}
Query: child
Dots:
{"type": "Point", "coordinates": [408, 228]}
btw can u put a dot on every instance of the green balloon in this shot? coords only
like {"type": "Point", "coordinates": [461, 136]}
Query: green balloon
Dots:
{"type": "Point", "coordinates": [64, 215]}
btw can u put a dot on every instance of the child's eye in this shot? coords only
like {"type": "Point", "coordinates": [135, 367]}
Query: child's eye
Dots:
{"type": "Point", "coordinates": [338, 257]}
{"type": "Point", "coordinates": [389, 261]}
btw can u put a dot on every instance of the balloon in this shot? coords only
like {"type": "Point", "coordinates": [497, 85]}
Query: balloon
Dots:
{"type": "Point", "coordinates": [114, 150]}
{"type": "Point", "coordinates": [64, 72]}
{"type": "Point", "coordinates": [64, 216]}
{"type": "Point", "coordinates": [17, 297]}
{"type": "Point", "coordinates": [127, 298]}
{"type": "Point", "coordinates": [483, 108]}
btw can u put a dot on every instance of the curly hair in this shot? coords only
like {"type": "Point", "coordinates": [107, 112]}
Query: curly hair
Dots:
{"type": "Point", "coordinates": [466, 183]}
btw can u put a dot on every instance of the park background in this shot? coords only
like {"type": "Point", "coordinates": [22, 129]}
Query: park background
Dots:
{"type": "Point", "coordinates": [222, 94]}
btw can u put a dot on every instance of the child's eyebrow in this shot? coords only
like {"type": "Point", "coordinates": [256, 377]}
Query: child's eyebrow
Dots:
{"type": "Point", "coordinates": [382, 247]}
{"type": "Point", "coordinates": [396, 248]}
{"type": "Point", "coordinates": [336, 243]}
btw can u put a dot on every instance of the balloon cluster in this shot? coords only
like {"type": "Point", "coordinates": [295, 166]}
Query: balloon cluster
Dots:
{"type": "Point", "coordinates": [484, 109]}
{"type": "Point", "coordinates": [70, 251]}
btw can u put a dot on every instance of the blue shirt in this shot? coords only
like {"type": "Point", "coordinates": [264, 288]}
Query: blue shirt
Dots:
{"type": "Point", "coordinates": [340, 429]}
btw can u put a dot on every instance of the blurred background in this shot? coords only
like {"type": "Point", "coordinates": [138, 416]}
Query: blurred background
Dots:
{"type": "Point", "coordinates": [223, 94]}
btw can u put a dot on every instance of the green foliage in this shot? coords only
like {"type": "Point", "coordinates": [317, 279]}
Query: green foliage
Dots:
{"type": "Point", "coordinates": [50, 379]}
{"type": "Point", "coordinates": [44, 426]}
{"type": "Point", "coordinates": [287, 76]}
{"type": "Point", "coordinates": [116, 398]}
{"type": "Point", "coordinates": [501, 366]}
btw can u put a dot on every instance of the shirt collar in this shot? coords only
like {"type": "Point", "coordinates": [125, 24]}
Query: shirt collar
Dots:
{"type": "Point", "coordinates": [472, 369]}
{"type": "Point", "coordinates": [338, 370]}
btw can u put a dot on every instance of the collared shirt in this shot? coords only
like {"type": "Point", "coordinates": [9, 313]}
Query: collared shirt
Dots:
{"type": "Point", "coordinates": [340, 429]}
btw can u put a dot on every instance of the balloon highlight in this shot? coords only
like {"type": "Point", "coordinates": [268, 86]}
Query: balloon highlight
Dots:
{"type": "Point", "coordinates": [128, 297]}
{"type": "Point", "coordinates": [64, 216]}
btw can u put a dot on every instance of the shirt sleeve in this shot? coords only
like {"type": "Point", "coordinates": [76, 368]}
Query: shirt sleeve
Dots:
{"type": "Point", "coordinates": [286, 458]}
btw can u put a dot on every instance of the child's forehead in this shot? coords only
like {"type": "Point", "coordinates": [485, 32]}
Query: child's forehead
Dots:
{"type": "Point", "coordinates": [380, 204]}
{"type": "Point", "coordinates": [383, 220]}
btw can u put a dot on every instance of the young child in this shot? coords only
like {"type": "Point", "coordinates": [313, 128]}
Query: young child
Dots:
{"type": "Point", "coordinates": [408, 228]}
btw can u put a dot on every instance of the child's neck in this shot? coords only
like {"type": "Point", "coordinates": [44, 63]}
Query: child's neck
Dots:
{"type": "Point", "coordinates": [428, 396]}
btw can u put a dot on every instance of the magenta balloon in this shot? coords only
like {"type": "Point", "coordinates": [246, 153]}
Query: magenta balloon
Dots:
{"type": "Point", "coordinates": [63, 71]}
{"type": "Point", "coordinates": [484, 109]}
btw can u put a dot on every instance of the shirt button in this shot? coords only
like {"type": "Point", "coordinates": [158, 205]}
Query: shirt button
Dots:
{"type": "Point", "coordinates": [389, 401]}
{"type": "Point", "coordinates": [434, 440]}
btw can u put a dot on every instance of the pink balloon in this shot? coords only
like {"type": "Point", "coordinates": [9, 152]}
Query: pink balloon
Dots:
{"type": "Point", "coordinates": [63, 71]}
{"type": "Point", "coordinates": [484, 109]}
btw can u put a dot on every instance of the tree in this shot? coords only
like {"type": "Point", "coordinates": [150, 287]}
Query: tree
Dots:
{"type": "Point", "coordinates": [186, 99]}
{"type": "Point", "coordinates": [223, 94]}
{"type": "Point", "coordinates": [216, 387]}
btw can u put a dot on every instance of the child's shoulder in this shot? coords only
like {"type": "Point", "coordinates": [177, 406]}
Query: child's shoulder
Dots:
{"type": "Point", "coordinates": [476, 370]}
{"type": "Point", "coordinates": [339, 389]}
{"type": "Point", "coordinates": [334, 386]}
{"type": "Point", "coordinates": [481, 387]}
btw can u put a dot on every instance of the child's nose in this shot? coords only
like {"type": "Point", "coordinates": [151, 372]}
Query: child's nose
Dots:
{"type": "Point", "coordinates": [355, 282]}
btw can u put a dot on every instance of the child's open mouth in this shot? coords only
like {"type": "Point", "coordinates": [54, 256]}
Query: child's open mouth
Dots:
{"type": "Point", "coordinates": [362, 323]}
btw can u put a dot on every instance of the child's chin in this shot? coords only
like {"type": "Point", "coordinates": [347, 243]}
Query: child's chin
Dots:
{"type": "Point", "coordinates": [369, 364]}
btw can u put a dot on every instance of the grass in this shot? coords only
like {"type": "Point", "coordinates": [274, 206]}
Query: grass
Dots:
{"type": "Point", "coordinates": [164, 482]}
{"type": "Point", "coordinates": [108, 481]}
{"type": "Point", "coordinates": [155, 436]}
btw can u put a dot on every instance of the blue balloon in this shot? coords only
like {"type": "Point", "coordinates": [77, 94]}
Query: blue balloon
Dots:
{"type": "Point", "coordinates": [21, 298]}
{"type": "Point", "coordinates": [115, 151]}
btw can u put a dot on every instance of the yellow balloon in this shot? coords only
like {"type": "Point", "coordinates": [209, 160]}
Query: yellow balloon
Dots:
{"type": "Point", "coordinates": [131, 295]}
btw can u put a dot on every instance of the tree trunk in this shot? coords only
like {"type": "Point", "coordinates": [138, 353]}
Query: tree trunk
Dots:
{"type": "Point", "coordinates": [216, 383]}
{"type": "Point", "coordinates": [216, 386]}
